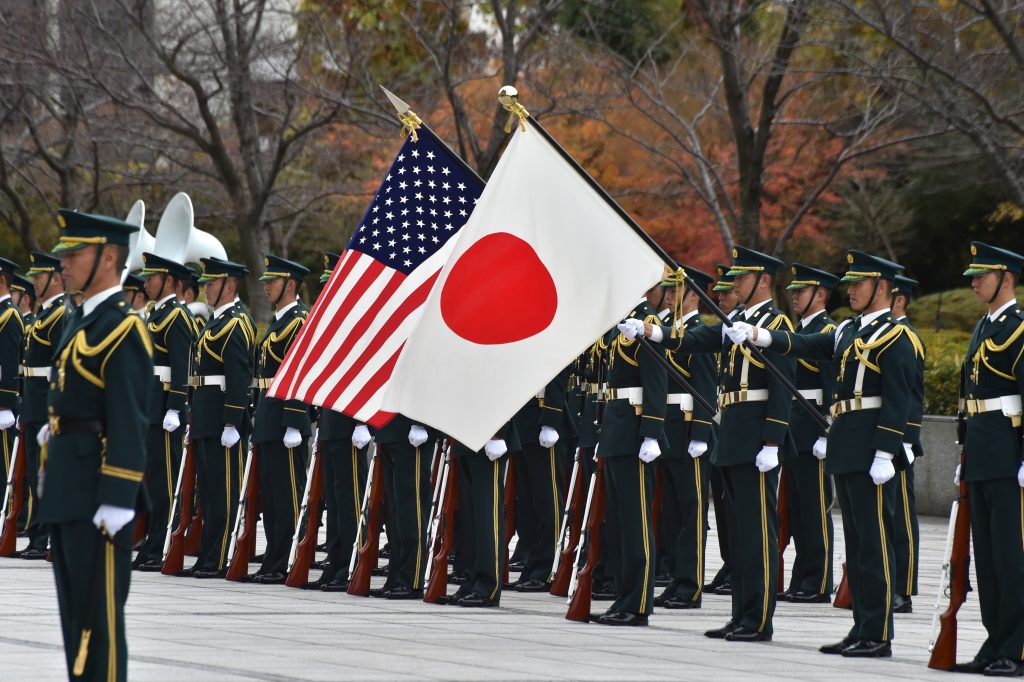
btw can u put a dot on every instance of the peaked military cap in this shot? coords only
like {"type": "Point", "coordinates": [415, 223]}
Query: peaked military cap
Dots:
{"type": "Point", "coordinates": [985, 259]}
{"type": "Point", "coordinates": [156, 265]}
{"type": "Point", "coordinates": [133, 283]}
{"type": "Point", "coordinates": [904, 285]}
{"type": "Point", "coordinates": [216, 268]}
{"type": "Point", "coordinates": [330, 262]}
{"type": "Point", "coordinates": [746, 260]}
{"type": "Point", "coordinates": [805, 276]}
{"type": "Point", "coordinates": [724, 282]}
{"type": "Point", "coordinates": [41, 263]}
{"type": "Point", "coordinates": [862, 265]}
{"type": "Point", "coordinates": [8, 266]}
{"type": "Point", "coordinates": [84, 229]}
{"type": "Point", "coordinates": [278, 267]}
{"type": "Point", "coordinates": [697, 278]}
{"type": "Point", "coordinates": [24, 285]}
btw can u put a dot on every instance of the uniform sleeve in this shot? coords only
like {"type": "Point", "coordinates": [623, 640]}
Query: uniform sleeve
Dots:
{"type": "Point", "coordinates": [705, 338]}
{"type": "Point", "coordinates": [654, 380]}
{"type": "Point", "coordinates": [810, 346]}
{"type": "Point", "coordinates": [704, 378]}
{"type": "Point", "coordinates": [296, 412]}
{"type": "Point", "coordinates": [552, 409]}
{"type": "Point", "coordinates": [780, 400]}
{"type": "Point", "coordinates": [12, 332]}
{"type": "Point", "coordinates": [178, 341]}
{"type": "Point", "coordinates": [827, 378]}
{"type": "Point", "coordinates": [126, 379]}
{"type": "Point", "coordinates": [237, 373]}
{"type": "Point", "coordinates": [897, 362]}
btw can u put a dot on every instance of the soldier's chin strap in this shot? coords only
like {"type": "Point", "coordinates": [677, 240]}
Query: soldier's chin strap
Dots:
{"type": "Point", "coordinates": [874, 292]}
{"type": "Point", "coordinates": [753, 289]}
{"type": "Point", "coordinates": [284, 288]}
{"type": "Point", "coordinates": [999, 288]}
{"type": "Point", "coordinates": [95, 267]}
{"type": "Point", "coordinates": [214, 304]}
{"type": "Point", "coordinates": [810, 302]}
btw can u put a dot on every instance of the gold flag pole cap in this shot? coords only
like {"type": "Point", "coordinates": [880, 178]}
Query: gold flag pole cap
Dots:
{"type": "Point", "coordinates": [508, 98]}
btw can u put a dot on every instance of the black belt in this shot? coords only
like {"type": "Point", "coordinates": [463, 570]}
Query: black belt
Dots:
{"type": "Point", "coordinates": [59, 425]}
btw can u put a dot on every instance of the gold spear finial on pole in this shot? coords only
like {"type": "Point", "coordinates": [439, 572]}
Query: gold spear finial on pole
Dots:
{"type": "Point", "coordinates": [410, 121]}
{"type": "Point", "coordinates": [508, 97]}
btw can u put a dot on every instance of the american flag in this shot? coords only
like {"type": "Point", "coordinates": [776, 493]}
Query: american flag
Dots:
{"type": "Point", "coordinates": [347, 349]}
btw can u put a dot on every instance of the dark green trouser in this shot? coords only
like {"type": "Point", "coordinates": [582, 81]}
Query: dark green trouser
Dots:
{"type": "Point", "coordinates": [721, 504]}
{"type": "Point", "coordinates": [524, 516]}
{"type": "Point", "coordinates": [91, 600]}
{"type": "Point", "coordinates": [630, 498]}
{"type": "Point", "coordinates": [406, 473]}
{"type": "Point", "coordinates": [685, 491]}
{"type": "Point", "coordinates": [906, 534]}
{"type": "Point", "coordinates": [755, 552]}
{"type": "Point", "coordinates": [606, 571]}
{"type": "Point", "coordinates": [219, 477]}
{"type": "Point", "coordinates": [809, 496]}
{"type": "Point", "coordinates": [484, 484]}
{"type": "Point", "coordinates": [541, 473]}
{"type": "Point", "coordinates": [997, 524]}
{"type": "Point", "coordinates": [345, 472]}
{"type": "Point", "coordinates": [163, 457]}
{"type": "Point", "coordinates": [38, 533]}
{"type": "Point", "coordinates": [867, 525]}
{"type": "Point", "coordinates": [282, 482]}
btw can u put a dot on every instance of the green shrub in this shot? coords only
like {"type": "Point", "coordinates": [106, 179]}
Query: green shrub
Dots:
{"type": "Point", "coordinates": [946, 350]}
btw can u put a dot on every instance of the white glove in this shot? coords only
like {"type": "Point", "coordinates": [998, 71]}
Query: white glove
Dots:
{"type": "Point", "coordinates": [361, 436]}
{"type": "Point", "coordinates": [171, 421]}
{"type": "Point", "coordinates": [820, 447]}
{"type": "Point", "coordinates": [495, 449]}
{"type": "Point", "coordinates": [739, 332]}
{"type": "Point", "coordinates": [908, 450]}
{"type": "Point", "coordinates": [43, 435]}
{"type": "Point", "coordinates": [292, 437]}
{"type": "Point", "coordinates": [881, 469]}
{"type": "Point", "coordinates": [417, 435]}
{"type": "Point", "coordinates": [631, 328]}
{"type": "Point", "coordinates": [696, 448]}
{"type": "Point", "coordinates": [111, 518]}
{"type": "Point", "coordinates": [548, 437]}
{"type": "Point", "coordinates": [1020, 476]}
{"type": "Point", "coordinates": [230, 436]}
{"type": "Point", "coordinates": [7, 419]}
{"type": "Point", "coordinates": [956, 476]}
{"type": "Point", "coordinates": [767, 459]}
{"type": "Point", "coordinates": [650, 450]}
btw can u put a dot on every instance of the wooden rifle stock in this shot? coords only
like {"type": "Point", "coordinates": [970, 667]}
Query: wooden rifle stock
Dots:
{"type": "Point", "coordinates": [194, 533]}
{"type": "Point", "coordinates": [944, 652]}
{"type": "Point", "coordinates": [304, 551]}
{"type": "Point", "coordinates": [245, 522]}
{"type": "Point", "coordinates": [784, 530]}
{"type": "Point", "coordinates": [174, 557]}
{"type": "Point", "coordinates": [579, 603]}
{"type": "Point", "coordinates": [366, 558]}
{"type": "Point", "coordinates": [141, 526]}
{"type": "Point", "coordinates": [511, 491]}
{"type": "Point", "coordinates": [572, 525]}
{"type": "Point", "coordinates": [14, 496]}
{"type": "Point", "coordinates": [842, 599]}
{"type": "Point", "coordinates": [444, 540]}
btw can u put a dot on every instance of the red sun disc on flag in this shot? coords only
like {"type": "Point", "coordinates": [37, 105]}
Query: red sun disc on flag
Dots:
{"type": "Point", "coordinates": [498, 292]}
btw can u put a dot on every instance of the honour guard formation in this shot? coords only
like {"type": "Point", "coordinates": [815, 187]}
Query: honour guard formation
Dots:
{"type": "Point", "coordinates": [152, 419]}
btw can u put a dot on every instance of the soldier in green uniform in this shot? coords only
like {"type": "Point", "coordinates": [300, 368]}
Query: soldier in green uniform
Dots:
{"type": "Point", "coordinates": [875, 359]}
{"type": "Point", "coordinates": [808, 488]}
{"type": "Point", "coordinates": [993, 452]}
{"type": "Point", "coordinates": [41, 339]}
{"type": "Point", "coordinates": [689, 428]}
{"type": "Point", "coordinates": [135, 295]}
{"type": "Point", "coordinates": [220, 400]}
{"type": "Point", "coordinates": [94, 447]}
{"type": "Point", "coordinates": [906, 530]}
{"type": "Point", "coordinates": [632, 437]}
{"type": "Point", "coordinates": [173, 334]}
{"type": "Point", "coordinates": [12, 331]}
{"type": "Point", "coordinates": [281, 427]}
{"type": "Point", "coordinates": [23, 293]}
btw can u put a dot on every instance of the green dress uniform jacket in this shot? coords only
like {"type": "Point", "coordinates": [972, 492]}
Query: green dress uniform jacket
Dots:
{"type": "Point", "coordinates": [224, 349]}
{"type": "Point", "coordinates": [812, 376]}
{"type": "Point", "coordinates": [906, 528]}
{"type": "Point", "coordinates": [273, 415]}
{"type": "Point", "coordinates": [12, 333]}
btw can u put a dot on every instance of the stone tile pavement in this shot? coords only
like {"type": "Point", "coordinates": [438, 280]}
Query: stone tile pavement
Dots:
{"type": "Point", "coordinates": [187, 629]}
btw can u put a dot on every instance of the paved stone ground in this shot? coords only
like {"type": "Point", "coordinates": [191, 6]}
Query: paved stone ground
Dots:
{"type": "Point", "coordinates": [181, 628]}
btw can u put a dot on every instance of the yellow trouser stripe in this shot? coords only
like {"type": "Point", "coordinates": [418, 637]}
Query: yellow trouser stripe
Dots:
{"type": "Point", "coordinates": [227, 506]}
{"type": "Point", "coordinates": [885, 566]}
{"type": "Point", "coordinates": [419, 527]}
{"type": "Point", "coordinates": [355, 496]}
{"type": "Point", "coordinates": [167, 467]}
{"type": "Point", "coordinates": [824, 526]}
{"type": "Point", "coordinates": [647, 545]}
{"type": "Point", "coordinates": [700, 529]}
{"type": "Point", "coordinates": [764, 550]}
{"type": "Point", "coordinates": [111, 612]}
{"type": "Point", "coordinates": [497, 542]}
{"type": "Point", "coordinates": [7, 454]}
{"type": "Point", "coordinates": [554, 499]}
{"type": "Point", "coordinates": [910, 532]}
{"type": "Point", "coordinates": [295, 491]}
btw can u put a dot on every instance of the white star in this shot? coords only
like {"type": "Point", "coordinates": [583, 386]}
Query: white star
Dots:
{"type": "Point", "coordinates": [445, 186]}
{"type": "Point", "coordinates": [401, 170]}
{"type": "Point", "coordinates": [415, 153]}
{"type": "Point", "coordinates": [431, 184]}
{"type": "Point", "coordinates": [405, 236]}
{"type": "Point", "coordinates": [446, 200]}
{"type": "Point", "coordinates": [419, 209]}
{"type": "Point", "coordinates": [362, 240]}
{"type": "Point", "coordinates": [461, 186]}
{"type": "Point", "coordinates": [430, 169]}
{"type": "Point", "coordinates": [376, 207]}
{"type": "Point", "coordinates": [462, 200]}
{"type": "Point", "coordinates": [421, 236]}
{"type": "Point", "coordinates": [419, 223]}
{"type": "Point", "coordinates": [462, 212]}
{"type": "Point", "coordinates": [447, 214]}
{"type": "Point", "coordinates": [433, 226]}
{"type": "Point", "coordinates": [449, 226]}
{"type": "Point", "coordinates": [433, 198]}
{"type": "Point", "coordinates": [430, 154]}
{"type": "Point", "coordinates": [433, 212]}
{"type": "Point", "coordinates": [419, 195]}
{"type": "Point", "coordinates": [389, 201]}
{"type": "Point", "coordinates": [422, 250]}
{"type": "Point", "coordinates": [416, 170]}
{"type": "Point", "coordinates": [376, 232]}
{"type": "Point", "coordinates": [408, 263]}
{"type": "Point", "coordinates": [405, 225]}
{"type": "Point", "coordinates": [435, 239]}
{"type": "Point", "coordinates": [403, 199]}
{"type": "Point", "coordinates": [391, 229]}
{"type": "Point", "coordinates": [376, 220]}
{"type": "Point", "coordinates": [391, 255]}
{"type": "Point", "coordinates": [406, 249]}
{"type": "Point", "coordinates": [392, 242]}
{"type": "Point", "coordinates": [389, 215]}
{"type": "Point", "coordinates": [405, 211]}
{"type": "Point", "coordinates": [402, 184]}
{"type": "Point", "coordinates": [417, 183]}
{"type": "Point", "coordinates": [376, 247]}
{"type": "Point", "coordinates": [401, 157]}
{"type": "Point", "coordinates": [445, 171]}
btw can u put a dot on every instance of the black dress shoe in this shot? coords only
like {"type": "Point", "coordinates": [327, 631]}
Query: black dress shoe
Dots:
{"type": "Point", "coordinates": [479, 601]}
{"type": "Point", "coordinates": [603, 594]}
{"type": "Point", "coordinates": [865, 648]}
{"type": "Point", "coordinates": [385, 551]}
{"type": "Point", "coordinates": [838, 647]}
{"type": "Point", "coordinates": [681, 602]}
{"type": "Point", "coordinates": [662, 598]}
{"type": "Point", "coordinates": [457, 579]}
{"type": "Point", "coordinates": [185, 572]}
{"type": "Point", "coordinates": [258, 559]}
{"type": "Point", "coordinates": [208, 574]}
{"type": "Point", "coordinates": [275, 578]}
{"type": "Point", "coordinates": [33, 554]}
{"type": "Point", "coordinates": [623, 618]}
{"type": "Point", "coordinates": [532, 585]}
{"type": "Point", "coordinates": [745, 634]}
{"type": "Point", "coordinates": [321, 547]}
{"type": "Point", "coordinates": [150, 566]}
{"type": "Point", "coordinates": [902, 604]}
{"type": "Point", "coordinates": [403, 592]}
{"type": "Point", "coordinates": [318, 565]}
{"type": "Point", "coordinates": [784, 596]}
{"type": "Point", "coordinates": [663, 579]}
{"type": "Point", "coordinates": [380, 570]}
{"type": "Point", "coordinates": [454, 599]}
{"type": "Point", "coordinates": [334, 586]}
{"type": "Point", "coordinates": [809, 598]}
{"type": "Point", "coordinates": [1004, 667]}
{"type": "Point", "coordinates": [376, 593]}
{"type": "Point", "coordinates": [516, 566]}
{"type": "Point", "coordinates": [720, 633]}
{"type": "Point", "coordinates": [724, 588]}
{"type": "Point", "coordinates": [977, 666]}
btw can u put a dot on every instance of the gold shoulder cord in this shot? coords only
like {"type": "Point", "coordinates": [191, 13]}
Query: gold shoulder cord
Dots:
{"type": "Point", "coordinates": [990, 346]}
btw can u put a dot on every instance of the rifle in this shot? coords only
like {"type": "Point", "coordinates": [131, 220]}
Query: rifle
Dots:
{"type": "Point", "coordinates": [784, 531]}
{"type": "Point", "coordinates": [957, 562]}
{"type": "Point", "coordinates": [364, 558]}
{"type": "Point", "coordinates": [174, 539]}
{"type": "Point", "coordinates": [569, 532]}
{"type": "Point", "coordinates": [14, 495]}
{"type": "Point", "coordinates": [444, 538]}
{"type": "Point", "coordinates": [583, 580]}
{"type": "Point", "coordinates": [438, 480]}
{"type": "Point", "coordinates": [511, 490]}
{"type": "Point", "coordinates": [243, 536]}
{"type": "Point", "coordinates": [194, 533]}
{"type": "Point", "coordinates": [302, 552]}
{"type": "Point", "coordinates": [843, 599]}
